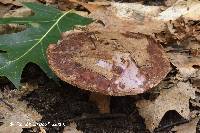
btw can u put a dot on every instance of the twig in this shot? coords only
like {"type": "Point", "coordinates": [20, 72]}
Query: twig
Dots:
{"type": "Point", "coordinates": [10, 106]}
{"type": "Point", "coordinates": [171, 125]}
{"type": "Point", "coordinates": [97, 116]}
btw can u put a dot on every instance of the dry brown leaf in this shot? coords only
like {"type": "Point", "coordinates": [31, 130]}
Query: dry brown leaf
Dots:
{"type": "Point", "coordinates": [175, 98]}
{"type": "Point", "coordinates": [150, 20]}
{"type": "Point", "coordinates": [109, 62]}
{"type": "Point", "coordinates": [138, 18]}
{"type": "Point", "coordinates": [71, 128]}
{"type": "Point", "coordinates": [188, 9]}
{"type": "Point", "coordinates": [20, 117]}
{"type": "Point", "coordinates": [187, 127]}
{"type": "Point", "coordinates": [4, 9]}
{"type": "Point", "coordinates": [127, 17]}
{"type": "Point", "coordinates": [184, 64]}
{"type": "Point", "coordinates": [15, 112]}
{"type": "Point", "coordinates": [183, 30]}
{"type": "Point", "coordinates": [124, 17]}
{"type": "Point", "coordinates": [7, 1]}
{"type": "Point", "coordinates": [48, 1]}
{"type": "Point", "coordinates": [91, 6]}
{"type": "Point", "coordinates": [169, 3]}
{"type": "Point", "coordinates": [20, 12]}
{"type": "Point", "coordinates": [16, 2]}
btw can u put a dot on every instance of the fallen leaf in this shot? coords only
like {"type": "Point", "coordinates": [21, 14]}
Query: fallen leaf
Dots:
{"type": "Point", "coordinates": [91, 6]}
{"type": "Point", "coordinates": [185, 64]}
{"type": "Point", "coordinates": [48, 1]}
{"type": "Point", "coordinates": [16, 2]}
{"type": "Point", "coordinates": [71, 128]}
{"type": "Point", "coordinates": [150, 20]}
{"type": "Point", "coordinates": [127, 17]}
{"type": "Point", "coordinates": [169, 3]}
{"type": "Point", "coordinates": [17, 116]}
{"type": "Point", "coordinates": [183, 58]}
{"type": "Point", "coordinates": [175, 98]}
{"type": "Point", "coordinates": [188, 9]}
{"type": "Point", "coordinates": [187, 127]}
{"type": "Point", "coordinates": [20, 12]}
{"type": "Point", "coordinates": [4, 9]}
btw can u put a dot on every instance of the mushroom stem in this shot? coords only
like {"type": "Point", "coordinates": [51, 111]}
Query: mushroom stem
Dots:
{"type": "Point", "coordinates": [102, 101]}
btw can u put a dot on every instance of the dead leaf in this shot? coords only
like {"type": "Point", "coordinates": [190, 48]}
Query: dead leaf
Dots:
{"type": "Point", "coordinates": [16, 115]}
{"type": "Point", "coordinates": [184, 64]}
{"type": "Point", "coordinates": [4, 9]}
{"type": "Point", "coordinates": [20, 12]}
{"type": "Point", "coordinates": [150, 20]}
{"type": "Point", "coordinates": [16, 2]}
{"type": "Point", "coordinates": [109, 62]}
{"type": "Point", "coordinates": [66, 5]}
{"type": "Point", "coordinates": [175, 98]}
{"type": "Point", "coordinates": [169, 3]}
{"type": "Point", "coordinates": [71, 128]}
{"type": "Point", "coordinates": [187, 127]}
{"type": "Point", "coordinates": [20, 117]}
{"type": "Point", "coordinates": [188, 9]}
{"type": "Point", "coordinates": [48, 1]}
{"type": "Point", "coordinates": [91, 6]}
{"type": "Point", "coordinates": [127, 17]}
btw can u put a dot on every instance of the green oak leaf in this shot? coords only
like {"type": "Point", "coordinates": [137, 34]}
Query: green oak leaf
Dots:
{"type": "Point", "coordinates": [43, 28]}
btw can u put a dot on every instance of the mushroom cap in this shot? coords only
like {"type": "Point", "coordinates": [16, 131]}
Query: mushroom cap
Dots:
{"type": "Point", "coordinates": [110, 63]}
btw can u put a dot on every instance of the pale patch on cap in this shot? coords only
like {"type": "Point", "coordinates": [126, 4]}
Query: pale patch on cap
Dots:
{"type": "Point", "coordinates": [130, 78]}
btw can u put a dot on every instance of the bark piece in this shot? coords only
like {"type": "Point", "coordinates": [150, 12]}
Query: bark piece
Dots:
{"type": "Point", "coordinates": [109, 62]}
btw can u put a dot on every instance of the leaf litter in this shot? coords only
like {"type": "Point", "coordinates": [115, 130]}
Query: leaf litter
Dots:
{"type": "Point", "coordinates": [174, 35]}
{"type": "Point", "coordinates": [16, 114]}
{"type": "Point", "coordinates": [150, 22]}
{"type": "Point", "coordinates": [176, 98]}
{"type": "Point", "coordinates": [177, 31]}
{"type": "Point", "coordinates": [187, 127]}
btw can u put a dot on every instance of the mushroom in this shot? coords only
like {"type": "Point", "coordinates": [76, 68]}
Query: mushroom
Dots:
{"type": "Point", "coordinates": [108, 63]}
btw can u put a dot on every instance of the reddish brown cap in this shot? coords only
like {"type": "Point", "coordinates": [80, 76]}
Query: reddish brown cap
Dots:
{"type": "Point", "coordinates": [110, 63]}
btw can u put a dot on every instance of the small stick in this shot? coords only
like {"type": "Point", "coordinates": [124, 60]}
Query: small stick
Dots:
{"type": "Point", "coordinates": [171, 125]}
{"type": "Point", "coordinates": [10, 106]}
{"type": "Point", "coordinates": [97, 116]}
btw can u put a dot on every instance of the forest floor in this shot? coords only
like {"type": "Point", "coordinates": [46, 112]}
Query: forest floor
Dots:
{"type": "Point", "coordinates": [53, 103]}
